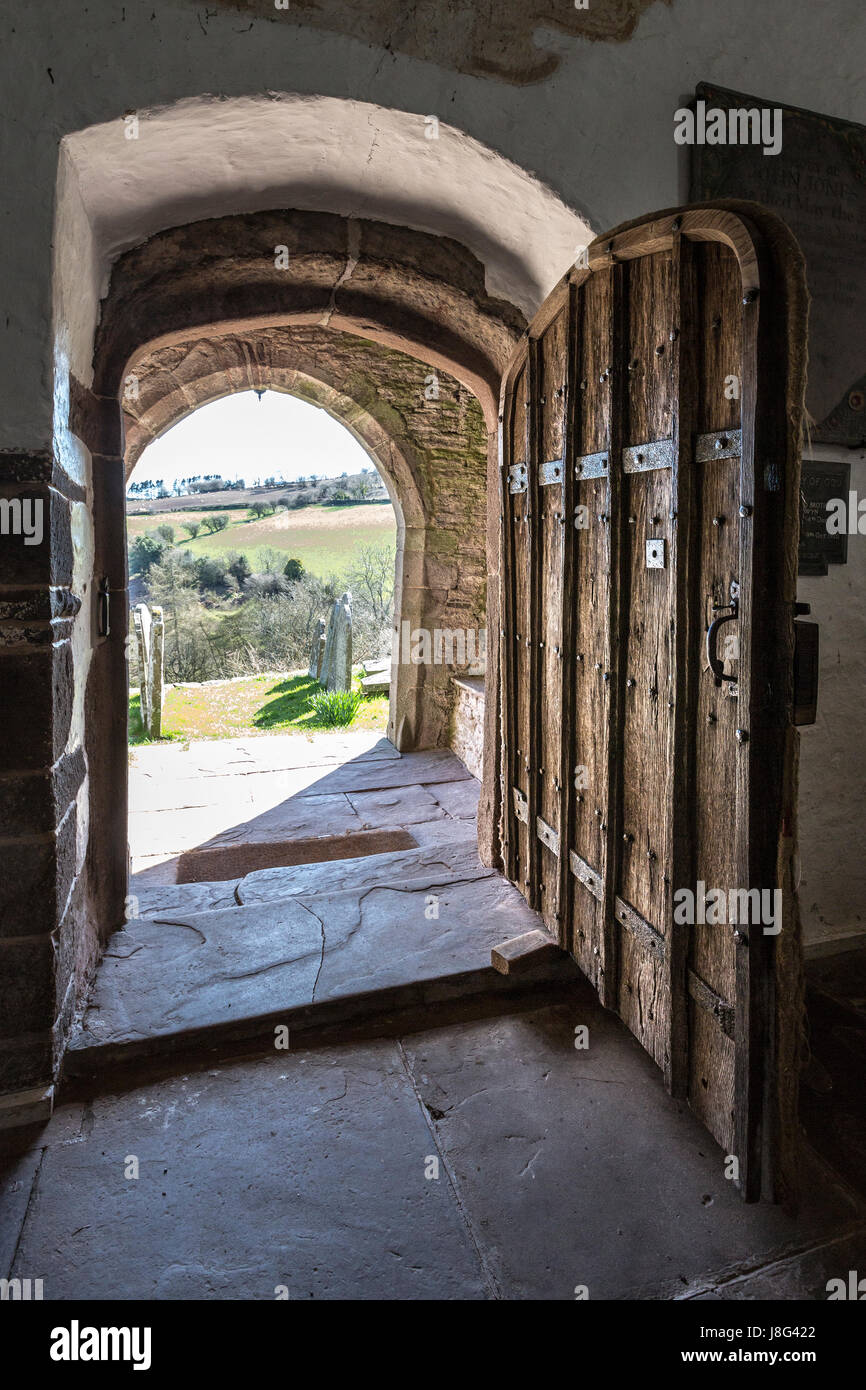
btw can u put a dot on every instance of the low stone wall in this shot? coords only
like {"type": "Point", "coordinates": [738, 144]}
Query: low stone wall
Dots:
{"type": "Point", "coordinates": [467, 722]}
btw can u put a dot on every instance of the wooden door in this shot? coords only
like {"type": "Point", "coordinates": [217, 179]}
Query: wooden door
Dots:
{"type": "Point", "coordinates": [648, 486]}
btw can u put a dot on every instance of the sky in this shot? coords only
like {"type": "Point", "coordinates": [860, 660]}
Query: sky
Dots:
{"type": "Point", "coordinates": [241, 436]}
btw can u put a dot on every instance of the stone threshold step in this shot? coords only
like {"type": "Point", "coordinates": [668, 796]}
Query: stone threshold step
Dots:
{"type": "Point", "coordinates": [241, 971]}
{"type": "Point", "coordinates": [378, 1013]}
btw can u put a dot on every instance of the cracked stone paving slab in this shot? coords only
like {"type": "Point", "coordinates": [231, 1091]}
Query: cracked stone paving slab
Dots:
{"type": "Point", "coordinates": [398, 866]}
{"type": "Point", "coordinates": [177, 972]}
{"type": "Point", "coordinates": [579, 1168]}
{"type": "Point", "coordinates": [300, 1170]}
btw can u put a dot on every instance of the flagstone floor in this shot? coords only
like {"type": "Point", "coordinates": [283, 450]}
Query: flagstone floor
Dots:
{"type": "Point", "coordinates": [487, 1159]}
{"type": "Point", "coordinates": [466, 1150]}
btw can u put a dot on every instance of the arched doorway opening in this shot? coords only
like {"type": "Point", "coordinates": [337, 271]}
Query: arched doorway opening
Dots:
{"type": "Point", "coordinates": [428, 247]}
{"type": "Point", "coordinates": [245, 522]}
{"type": "Point", "coordinates": [379, 317]}
{"type": "Point", "coordinates": [426, 435]}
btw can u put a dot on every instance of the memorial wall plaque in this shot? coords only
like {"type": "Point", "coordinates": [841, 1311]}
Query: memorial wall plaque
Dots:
{"type": "Point", "coordinates": [821, 483]}
{"type": "Point", "coordinates": [817, 183]}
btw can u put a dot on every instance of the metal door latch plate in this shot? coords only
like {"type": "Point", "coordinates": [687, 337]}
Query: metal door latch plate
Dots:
{"type": "Point", "coordinates": [655, 554]}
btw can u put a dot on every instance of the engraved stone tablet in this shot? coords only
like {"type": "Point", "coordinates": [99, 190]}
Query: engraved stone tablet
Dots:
{"type": "Point", "coordinates": [821, 483]}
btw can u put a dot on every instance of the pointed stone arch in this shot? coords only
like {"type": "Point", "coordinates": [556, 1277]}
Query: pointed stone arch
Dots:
{"type": "Point", "coordinates": [383, 397]}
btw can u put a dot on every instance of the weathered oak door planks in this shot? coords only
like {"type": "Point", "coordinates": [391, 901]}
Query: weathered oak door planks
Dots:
{"type": "Point", "coordinates": [630, 517]}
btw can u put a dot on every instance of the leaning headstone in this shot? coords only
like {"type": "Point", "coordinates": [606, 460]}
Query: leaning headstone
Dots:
{"type": "Point", "coordinates": [377, 676]}
{"type": "Point", "coordinates": [336, 673]}
{"type": "Point", "coordinates": [317, 651]}
{"type": "Point", "coordinates": [377, 682]}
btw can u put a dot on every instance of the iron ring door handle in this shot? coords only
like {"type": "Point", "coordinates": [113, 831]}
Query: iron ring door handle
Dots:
{"type": "Point", "coordinates": [715, 664]}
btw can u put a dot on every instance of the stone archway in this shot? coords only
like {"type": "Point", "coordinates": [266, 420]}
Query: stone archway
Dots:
{"type": "Point", "coordinates": [398, 291]}
{"type": "Point", "coordinates": [403, 289]}
{"type": "Point", "coordinates": [426, 247]}
{"type": "Point", "coordinates": [424, 432]}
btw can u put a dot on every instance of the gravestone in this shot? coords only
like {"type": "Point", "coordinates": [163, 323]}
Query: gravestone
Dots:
{"type": "Point", "coordinates": [817, 184]}
{"type": "Point", "coordinates": [377, 683]}
{"type": "Point", "coordinates": [149, 632]}
{"type": "Point", "coordinates": [317, 651]}
{"type": "Point", "coordinates": [336, 673]}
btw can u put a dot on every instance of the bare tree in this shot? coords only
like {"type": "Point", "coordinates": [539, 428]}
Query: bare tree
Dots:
{"type": "Point", "coordinates": [363, 487]}
{"type": "Point", "coordinates": [373, 576]}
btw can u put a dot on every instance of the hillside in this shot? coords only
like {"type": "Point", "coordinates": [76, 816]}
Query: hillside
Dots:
{"type": "Point", "coordinates": [228, 499]}
{"type": "Point", "coordinates": [324, 538]}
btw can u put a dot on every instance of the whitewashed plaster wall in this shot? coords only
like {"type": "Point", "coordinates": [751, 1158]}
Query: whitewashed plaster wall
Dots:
{"type": "Point", "coordinates": [598, 131]}
{"type": "Point", "coordinates": [208, 157]}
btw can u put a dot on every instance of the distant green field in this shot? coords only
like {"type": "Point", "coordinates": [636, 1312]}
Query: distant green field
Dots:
{"type": "Point", "coordinates": [325, 539]}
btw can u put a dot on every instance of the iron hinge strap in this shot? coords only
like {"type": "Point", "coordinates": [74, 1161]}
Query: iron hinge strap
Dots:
{"type": "Point", "coordinates": [642, 458]}
{"type": "Point", "coordinates": [640, 929]}
{"type": "Point", "coordinates": [547, 835]}
{"type": "Point", "coordinates": [724, 444]}
{"type": "Point", "coordinates": [712, 1003]}
{"type": "Point", "coordinates": [586, 875]}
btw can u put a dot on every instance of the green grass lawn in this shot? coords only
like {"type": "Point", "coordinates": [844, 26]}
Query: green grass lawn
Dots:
{"type": "Point", "coordinates": [324, 539]}
{"type": "Point", "coordinates": [253, 704]}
